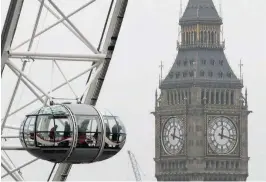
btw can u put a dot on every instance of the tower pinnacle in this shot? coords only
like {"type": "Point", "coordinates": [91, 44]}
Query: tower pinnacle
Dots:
{"type": "Point", "coordinates": [200, 11]}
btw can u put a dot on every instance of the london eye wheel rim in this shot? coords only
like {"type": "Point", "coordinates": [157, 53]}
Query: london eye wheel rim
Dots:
{"type": "Point", "coordinates": [13, 171]}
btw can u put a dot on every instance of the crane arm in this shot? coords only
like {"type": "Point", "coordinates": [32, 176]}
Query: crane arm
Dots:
{"type": "Point", "coordinates": [134, 166]}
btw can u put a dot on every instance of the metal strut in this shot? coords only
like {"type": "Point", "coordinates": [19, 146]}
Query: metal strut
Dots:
{"type": "Point", "coordinates": [7, 36]}
{"type": "Point", "coordinates": [134, 166]}
{"type": "Point", "coordinates": [95, 87]}
{"type": "Point", "coordinates": [9, 29]}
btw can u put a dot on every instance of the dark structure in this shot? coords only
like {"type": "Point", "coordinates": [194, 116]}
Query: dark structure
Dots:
{"type": "Point", "coordinates": [71, 133]}
{"type": "Point", "coordinates": [201, 114]}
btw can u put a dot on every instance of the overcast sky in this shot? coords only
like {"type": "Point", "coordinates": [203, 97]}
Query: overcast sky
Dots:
{"type": "Point", "coordinates": [148, 35]}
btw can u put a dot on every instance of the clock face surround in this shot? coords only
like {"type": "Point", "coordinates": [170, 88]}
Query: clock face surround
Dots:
{"type": "Point", "coordinates": [222, 135]}
{"type": "Point", "coordinates": [173, 136]}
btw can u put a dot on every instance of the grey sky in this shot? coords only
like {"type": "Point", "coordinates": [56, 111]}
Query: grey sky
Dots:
{"type": "Point", "coordinates": [148, 35]}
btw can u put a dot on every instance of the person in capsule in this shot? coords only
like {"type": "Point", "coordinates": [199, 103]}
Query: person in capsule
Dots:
{"type": "Point", "coordinates": [116, 133]}
{"type": "Point", "coordinates": [52, 132]}
{"type": "Point", "coordinates": [67, 130]}
{"type": "Point", "coordinates": [107, 134]}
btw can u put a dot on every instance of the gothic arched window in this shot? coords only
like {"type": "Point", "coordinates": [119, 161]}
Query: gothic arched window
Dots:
{"type": "Point", "coordinates": [220, 74]}
{"type": "Point", "coordinates": [212, 97]}
{"type": "Point", "coordinates": [217, 97]}
{"type": "Point", "coordinates": [195, 36]}
{"type": "Point", "coordinates": [202, 73]}
{"type": "Point", "coordinates": [202, 96]}
{"type": "Point", "coordinates": [183, 37]}
{"type": "Point", "coordinates": [222, 98]}
{"type": "Point", "coordinates": [189, 35]}
{"type": "Point", "coordinates": [191, 73]}
{"type": "Point", "coordinates": [171, 75]}
{"type": "Point", "coordinates": [227, 97]}
{"type": "Point", "coordinates": [168, 97]}
{"type": "Point", "coordinates": [212, 37]}
{"type": "Point", "coordinates": [186, 37]}
{"type": "Point", "coordinates": [209, 36]}
{"type": "Point", "coordinates": [207, 96]}
{"type": "Point", "coordinates": [175, 98]}
{"type": "Point", "coordinates": [177, 75]}
{"type": "Point", "coordinates": [201, 36]}
{"type": "Point", "coordinates": [210, 73]}
{"type": "Point", "coordinates": [232, 97]}
{"type": "Point", "coordinates": [178, 63]}
{"type": "Point", "coordinates": [212, 62]}
{"type": "Point", "coordinates": [229, 74]}
{"type": "Point", "coordinates": [205, 37]}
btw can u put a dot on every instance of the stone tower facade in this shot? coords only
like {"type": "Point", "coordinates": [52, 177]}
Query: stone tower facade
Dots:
{"type": "Point", "coordinates": [201, 114]}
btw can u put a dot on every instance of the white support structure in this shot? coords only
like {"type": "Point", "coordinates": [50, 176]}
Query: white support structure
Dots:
{"type": "Point", "coordinates": [108, 48]}
{"type": "Point", "coordinates": [94, 50]}
{"type": "Point", "coordinates": [7, 166]}
{"type": "Point", "coordinates": [65, 24]}
{"type": "Point", "coordinates": [27, 84]}
{"type": "Point", "coordinates": [18, 168]}
{"type": "Point", "coordinates": [11, 65]}
{"type": "Point", "coordinates": [12, 175]}
{"type": "Point", "coordinates": [100, 63]}
{"type": "Point", "coordinates": [12, 98]}
{"type": "Point", "coordinates": [56, 88]}
{"type": "Point", "coordinates": [95, 87]}
{"type": "Point", "coordinates": [10, 136]}
{"type": "Point", "coordinates": [12, 148]}
{"type": "Point", "coordinates": [66, 79]}
{"type": "Point", "coordinates": [12, 127]}
{"type": "Point", "coordinates": [9, 29]}
{"type": "Point", "coordinates": [36, 25]}
{"type": "Point", "coordinates": [67, 57]}
{"type": "Point", "coordinates": [7, 36]}
{"type": "Point", "coordinates": [53, 25]}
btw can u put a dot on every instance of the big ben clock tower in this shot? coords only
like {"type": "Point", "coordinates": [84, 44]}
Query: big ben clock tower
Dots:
{"type": "Point", "coordinates": [201, 114]}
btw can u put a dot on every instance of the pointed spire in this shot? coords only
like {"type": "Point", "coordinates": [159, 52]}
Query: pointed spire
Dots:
{"type": "Point", "coordinates": [246, 93]}
{"type": "Point", "coordinates": [240, 70]}
{"type": "Point", "coordinates": [156, 96]}
{"type": "Point", "coordinates": [205, 12]}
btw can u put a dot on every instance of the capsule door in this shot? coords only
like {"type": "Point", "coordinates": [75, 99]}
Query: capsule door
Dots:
{"type": "Point", "coordinates": [89, 139]}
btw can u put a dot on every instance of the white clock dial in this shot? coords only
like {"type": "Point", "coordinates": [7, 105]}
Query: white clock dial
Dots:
{"type": "Point", "coordinates": [222, 135]}
{"type": "Point", "coordinates": [173, 136]}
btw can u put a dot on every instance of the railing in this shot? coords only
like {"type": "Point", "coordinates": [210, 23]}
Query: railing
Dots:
{"type": "Point", "coordinates": [200, 45]}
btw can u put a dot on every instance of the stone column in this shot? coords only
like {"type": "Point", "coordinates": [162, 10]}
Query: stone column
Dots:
{"type": "Point", "coordinates": [210, 96]}
{"type": "Point", "coordinates": [220, 95]}
{"type": "Point", "coordinates": [225, 97]}
{"type": "Point", "coordinates": [214, 99]}
{"type": "Point", "coordinates": [229, 97]}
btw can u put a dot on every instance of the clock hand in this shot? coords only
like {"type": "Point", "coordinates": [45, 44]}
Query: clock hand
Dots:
{"type": "Point", "coordinates": [174, 134]}
{"type": "Point", "coordinates": [226, 136]}
{"type": "Point", "coordinates": [222, 135]}
{"type": "Point", "coordinates": [222, 130]}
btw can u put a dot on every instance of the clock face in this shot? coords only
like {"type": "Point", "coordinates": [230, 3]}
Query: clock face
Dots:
{"type": "Point", "coordinates": [222, 135]}
{"type": "Point", "coordinates": [173, 136]}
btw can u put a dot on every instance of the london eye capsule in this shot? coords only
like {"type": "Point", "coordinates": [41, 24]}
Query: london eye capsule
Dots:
{"type": "Point", "coordinates": [72, 133]}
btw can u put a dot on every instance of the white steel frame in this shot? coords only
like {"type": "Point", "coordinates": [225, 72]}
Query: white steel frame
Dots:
{"type": "Point", "coordinates": [100, 61]}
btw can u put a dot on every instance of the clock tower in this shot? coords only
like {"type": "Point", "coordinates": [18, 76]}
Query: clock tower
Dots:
{"type": "Point", "coordinates": [201, 114]}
